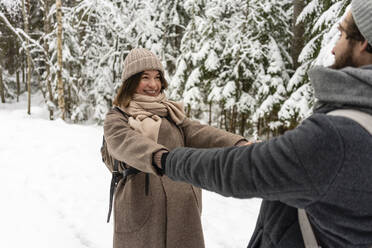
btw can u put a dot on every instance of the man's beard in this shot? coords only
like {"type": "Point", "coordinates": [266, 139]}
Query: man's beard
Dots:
{"type": "Point", "coordinates": [345, 59]}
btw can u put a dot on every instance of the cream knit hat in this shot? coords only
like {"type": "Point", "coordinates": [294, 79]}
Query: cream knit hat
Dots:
{"type": "Point", "coordinates": [362, 13]}
{"type": "Point", "coordinates": [138, 60]}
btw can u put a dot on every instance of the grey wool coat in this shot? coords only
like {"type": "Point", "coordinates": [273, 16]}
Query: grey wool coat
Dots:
{"type": "Point", "coordinates": [169, 215]}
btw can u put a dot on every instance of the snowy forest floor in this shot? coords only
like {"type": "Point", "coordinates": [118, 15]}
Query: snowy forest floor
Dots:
{"type": "Point", "coordinates": [55, 187]}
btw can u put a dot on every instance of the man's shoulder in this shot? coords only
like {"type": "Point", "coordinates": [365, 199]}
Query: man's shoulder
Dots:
{"type": "Point", "coordinates": [318, 121]}
{"type": "Point", "coordinates": [329, 126]}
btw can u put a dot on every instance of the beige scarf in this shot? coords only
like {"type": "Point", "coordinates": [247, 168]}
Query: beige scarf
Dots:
{"type": "Point", "coordinates": [146, 113]}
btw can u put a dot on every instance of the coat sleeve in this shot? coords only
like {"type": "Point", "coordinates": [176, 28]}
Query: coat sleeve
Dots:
{"type": "Point", "coordinates": [127, 145]}
{"type": "Point", "coordinates": [296, 168]}
{"type": "Point", "coordinates": [203, 136]}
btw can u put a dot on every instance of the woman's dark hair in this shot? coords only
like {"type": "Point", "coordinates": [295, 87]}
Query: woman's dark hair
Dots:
{"type": "Point", "coordinates": [353, 33]}
{"type": "Point", "coordinates": [129, 86]}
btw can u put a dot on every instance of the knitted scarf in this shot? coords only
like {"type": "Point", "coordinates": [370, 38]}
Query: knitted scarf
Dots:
{"type": "Point", "coordinates": [146, 113]}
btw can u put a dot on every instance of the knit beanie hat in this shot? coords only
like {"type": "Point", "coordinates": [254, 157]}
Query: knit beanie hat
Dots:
{"type": "Point", "coordinates": [138, 60]}
{"type": "Point", "coordinates": [362, 13]}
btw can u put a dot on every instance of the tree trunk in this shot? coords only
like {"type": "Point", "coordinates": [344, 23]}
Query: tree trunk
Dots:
{"type": "Point", "coordinates": [25, 13]}
{"type": "Point", "coordinates": [229, 119]}
{"type": "Point", "coordinates": [226, 119]}
{"type": "Point", "coordinates": [18, 85]}
{"type": "Point", "coordinates": [188, 111]}
{"type": "Point", "coordinates": [258, 127]}
{"type": "Point", "coordinates": [2, 85]}
{"type": "Point", "coordinates": [47, 65]}
{"type": "Point", "coordinates": [61, 97]}
{"type": "Point", "coordinates": [210, 113]}
{"type": "Point", "coordinates": [68, 100]}
{"type": "Point", "coordinates": [223, 117]}
{"type": "Point", "coordinates": [233, 120]}
{"type": "Point", "coordinates": [23, 71]}
{"type": "Point", "coordinates": [113, 64]}
{"type": "Point", "coordinates": [242, 125]}
{"type": "Point", "coordinates": [298, 33]}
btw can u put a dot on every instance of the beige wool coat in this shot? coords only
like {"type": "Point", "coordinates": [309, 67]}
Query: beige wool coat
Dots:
{"type": "Point", "coordinates": [169, 215]}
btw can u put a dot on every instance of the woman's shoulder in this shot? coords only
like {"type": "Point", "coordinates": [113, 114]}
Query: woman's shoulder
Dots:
{"type": "Point", "coordinates": [116, 114]}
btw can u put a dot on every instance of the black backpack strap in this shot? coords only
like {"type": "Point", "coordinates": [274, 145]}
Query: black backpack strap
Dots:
{"type": "Point", "coordinates": [116, 177]}
{"type": "Point", "coordinates": [121, 111]}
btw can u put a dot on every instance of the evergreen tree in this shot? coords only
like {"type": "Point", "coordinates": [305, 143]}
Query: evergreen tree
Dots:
{"type": "Point", "coordinates": [186, 82]}
{"type": "Point", "coordinates": [320, 19]}
{"type": "Point", "coordinates": [260, 62]}
{"type": "Point", "coordinates": [93, 34]}
{"type": "Point", "coordinates": [173, 20]}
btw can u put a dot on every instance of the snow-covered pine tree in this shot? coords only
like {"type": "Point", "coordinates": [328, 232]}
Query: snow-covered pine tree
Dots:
{"type": "Point", "coordinates": [19, 40]}
{"type": "Point", "coordinates": [186, 83]}
{"type": "Point", "coordinates": [233, 86]}
{"type": "Point", "coordinates": [271, 92]}
{"type": "Point", "coordinates": [92, 32]}
{"type": "Point", "coordinates": [12, 45]}
{"type": "Point", "coordinates": [221, 87]}
{"type": "Point", "coordinates": [8, 13]}
{"type": "Point", "coordinates": [172, 22]}
{"type": "Point", "coordinates": [320, 19]}
{"type": "Point", "coordinates": [263, 63]}
{"type": "Point", "coordinates": [206, 60]}
{"type": "Point", "coordinates": [225, 67]}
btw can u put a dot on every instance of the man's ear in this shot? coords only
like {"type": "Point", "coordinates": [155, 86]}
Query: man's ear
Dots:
{"type": "Point", "coordinates": [363, 46]}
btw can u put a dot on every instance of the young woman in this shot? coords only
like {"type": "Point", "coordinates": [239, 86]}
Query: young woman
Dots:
{"type": "Point", "coordinates": [149, 210]}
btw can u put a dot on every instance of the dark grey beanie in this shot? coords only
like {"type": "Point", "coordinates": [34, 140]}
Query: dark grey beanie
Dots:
{"type": "Point", "coordinates": [362, 13]}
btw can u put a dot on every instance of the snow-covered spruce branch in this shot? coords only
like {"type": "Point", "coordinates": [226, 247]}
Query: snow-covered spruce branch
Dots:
{"type": "Point", "coordinates": [19, 33]}
{"type": "Point", "coordinates": [34, 43]}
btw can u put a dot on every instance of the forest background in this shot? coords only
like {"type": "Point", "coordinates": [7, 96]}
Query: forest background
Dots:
{"type": "Point", "coordinates": [240, 65]}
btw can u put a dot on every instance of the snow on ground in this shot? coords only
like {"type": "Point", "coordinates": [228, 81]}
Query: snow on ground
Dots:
{"type": "Point", "coordinates": [55, 188]}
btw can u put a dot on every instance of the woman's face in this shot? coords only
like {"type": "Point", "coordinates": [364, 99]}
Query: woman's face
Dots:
{"type": "Point", "coordinates": [150, 84]}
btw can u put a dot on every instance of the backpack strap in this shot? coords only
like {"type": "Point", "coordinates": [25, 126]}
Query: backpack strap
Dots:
{"type": "Point", "coordinates": [116, 177]}
{"type": "Point", "coordinates": [116, 108]}
{"type": "Point", "coordinates": [365, 120]}
{"type": "Point", "coordinates": [306, 229]}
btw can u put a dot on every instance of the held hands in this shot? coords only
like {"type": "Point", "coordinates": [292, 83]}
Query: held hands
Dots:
{"type": "Point", "coordinates": [159, 159]}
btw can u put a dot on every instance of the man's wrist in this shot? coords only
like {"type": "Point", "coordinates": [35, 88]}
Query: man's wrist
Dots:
{"type": "Point", "coordinates": [242, 142]}
{"type": "Point", "coordinates": [159, 159]}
